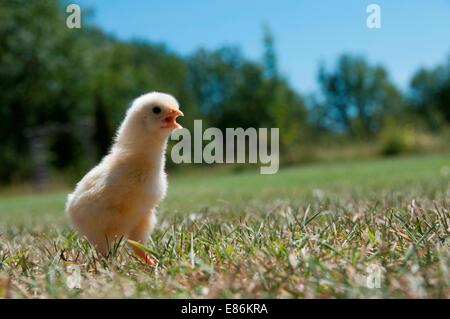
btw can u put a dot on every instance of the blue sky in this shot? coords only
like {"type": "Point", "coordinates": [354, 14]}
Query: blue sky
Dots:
{"type": "Point", "coordinates": [414, 33]}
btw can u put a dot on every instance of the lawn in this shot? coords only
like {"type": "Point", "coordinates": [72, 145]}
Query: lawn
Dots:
{"type": "Point", "coordinates": [372, 228]}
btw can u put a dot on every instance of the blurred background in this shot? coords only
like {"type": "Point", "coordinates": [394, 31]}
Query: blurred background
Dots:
{"type": "Point", "coordinates": [336, 89]}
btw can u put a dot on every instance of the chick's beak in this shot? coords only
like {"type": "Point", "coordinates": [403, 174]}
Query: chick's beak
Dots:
{"type": "Point", "coordinates": [169, 121]}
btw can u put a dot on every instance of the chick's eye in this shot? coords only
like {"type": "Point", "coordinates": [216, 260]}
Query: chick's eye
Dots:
{"type": "Point", "coordinates": [156, 110]}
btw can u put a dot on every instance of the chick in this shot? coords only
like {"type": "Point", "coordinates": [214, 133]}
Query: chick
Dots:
{"type": "Point", "coordinates": [118, 197]}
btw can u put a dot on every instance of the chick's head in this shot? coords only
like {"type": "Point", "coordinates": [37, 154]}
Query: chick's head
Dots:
{"type": "Point", "coordinates": [156, 113]}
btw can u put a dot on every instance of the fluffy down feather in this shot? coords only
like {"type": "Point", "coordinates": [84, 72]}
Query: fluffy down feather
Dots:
{"type": "Point", "coordinates": [118, 197]}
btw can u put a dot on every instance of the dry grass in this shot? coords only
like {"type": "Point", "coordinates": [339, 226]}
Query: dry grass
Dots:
{"type": "Point", "coordinates": [323, 243]}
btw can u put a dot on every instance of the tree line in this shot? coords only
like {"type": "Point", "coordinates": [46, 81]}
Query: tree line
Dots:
{"type": "Point", "coordinates": [52, 76]}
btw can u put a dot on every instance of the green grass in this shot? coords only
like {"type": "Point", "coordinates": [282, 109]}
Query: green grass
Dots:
{"type": "Point", "coordinates": [311, 231]}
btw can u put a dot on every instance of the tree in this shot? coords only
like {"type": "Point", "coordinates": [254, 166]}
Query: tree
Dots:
{"type": "Point", "coordinates": [285, 107]}
{"type": "Point", "coordinates": [53, 77]}
{"type": "Point", "coordinates": [38, 80]}
{"type": "Point", "coordinates": [357, 97]}
{"type": "Point", "coordinates": [214, 77]}
{"type": "Point", "coordinates": [430, 95]}
{"type": "Point", "coordinates": [270, 60]}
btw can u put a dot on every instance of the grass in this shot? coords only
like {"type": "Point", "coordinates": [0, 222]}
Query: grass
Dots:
{"type": "Point", "coordinates": [317, 231]}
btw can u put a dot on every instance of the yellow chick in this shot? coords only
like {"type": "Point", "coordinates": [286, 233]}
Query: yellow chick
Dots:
{"type": "Point", "coordinates": [118, 197]}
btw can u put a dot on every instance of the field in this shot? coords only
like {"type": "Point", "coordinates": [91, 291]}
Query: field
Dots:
{"type": "Point", "coordinates": [372, 228]}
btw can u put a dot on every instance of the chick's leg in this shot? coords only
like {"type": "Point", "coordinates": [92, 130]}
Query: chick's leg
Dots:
{"type": "Point", "coordinates": [140, 233]}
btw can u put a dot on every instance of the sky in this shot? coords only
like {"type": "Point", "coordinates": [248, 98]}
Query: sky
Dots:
{"type": "Point", "coordinates": [413, 34]}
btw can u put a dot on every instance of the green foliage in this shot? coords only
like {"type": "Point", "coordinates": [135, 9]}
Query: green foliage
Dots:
{"type": "Point", "coordinates": [39, 84]}
{"type": "Point", "coordinates": [396, 139]}
{"type": "Point", "coordinates": [430, 95]}
{"type": "Point", "coordinates": [55, 77]}
{"type": "Point", "coordinates": [357, 97]}
{"type": "Point", "coordinates": [233, 92]}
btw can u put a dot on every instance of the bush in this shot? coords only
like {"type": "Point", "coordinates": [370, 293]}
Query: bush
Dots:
{"type": "Point", "coordinates": [396, 139]}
